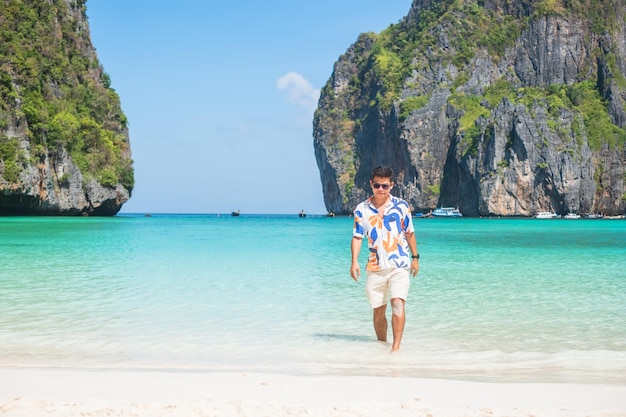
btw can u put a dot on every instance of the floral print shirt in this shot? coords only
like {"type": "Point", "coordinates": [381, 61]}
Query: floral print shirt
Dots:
{"type": "Point", "coordinates": [385, 231]}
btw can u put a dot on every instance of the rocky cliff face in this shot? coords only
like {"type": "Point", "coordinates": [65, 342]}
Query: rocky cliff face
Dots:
{"type": "Point", "coordinates": [494, 107]}
{"type": "Point", "coordinates": [64, 145]}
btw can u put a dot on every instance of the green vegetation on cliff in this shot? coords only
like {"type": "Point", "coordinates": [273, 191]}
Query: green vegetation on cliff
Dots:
{"type": "Point", "coordinates": [471, 26]}
{"type": "Point", "coordinates": [9, 152]}
{"type": "Point", "coordinates": [468, 26]}
{"type": "Point", "coordinates": [50, 77]}
{"type": "Point", "coordinates": [495, 106]}
{"type": "Point", "coordinates": [580, 98]}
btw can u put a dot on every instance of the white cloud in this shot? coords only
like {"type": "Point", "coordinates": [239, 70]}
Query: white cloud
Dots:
{"type": "Point", "coordinates": [299, 90]}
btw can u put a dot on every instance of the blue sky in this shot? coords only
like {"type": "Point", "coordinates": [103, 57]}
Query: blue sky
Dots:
{"type": "Point", "coordinates": [220, 95]}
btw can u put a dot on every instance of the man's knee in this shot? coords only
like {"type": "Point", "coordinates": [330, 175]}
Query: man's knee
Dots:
{"type": "Point", "coordinates": [397, 306]}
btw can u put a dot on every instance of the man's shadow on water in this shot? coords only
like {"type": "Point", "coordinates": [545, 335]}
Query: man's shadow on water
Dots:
{"type": "Point", "coordinates": [346, 337]}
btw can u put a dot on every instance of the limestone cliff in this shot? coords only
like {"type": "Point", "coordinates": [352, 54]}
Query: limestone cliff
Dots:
{"type": "Point", "coordinates": [494, 107]}
{"type": "Point", "coordinates": [64, 145]}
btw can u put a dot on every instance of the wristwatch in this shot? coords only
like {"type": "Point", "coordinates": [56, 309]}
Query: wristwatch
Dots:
{"type": "Point", "coordinates": [416, 256]}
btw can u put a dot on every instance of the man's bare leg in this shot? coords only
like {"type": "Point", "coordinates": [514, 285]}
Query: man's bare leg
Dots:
{"type": "Point", "coordinates": [380, 323]}
{"type": "Point", "coordinates": [398, 319]}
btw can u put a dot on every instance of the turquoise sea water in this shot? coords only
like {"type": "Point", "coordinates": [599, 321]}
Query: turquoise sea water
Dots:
{"type": "Point", "coordinates": [495, 299]}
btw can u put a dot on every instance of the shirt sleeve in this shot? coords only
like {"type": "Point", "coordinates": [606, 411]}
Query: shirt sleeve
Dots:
{"type": "Point", "coordinates": [408, 222]}
{"type": "Point", "coordinates": [357, 230]}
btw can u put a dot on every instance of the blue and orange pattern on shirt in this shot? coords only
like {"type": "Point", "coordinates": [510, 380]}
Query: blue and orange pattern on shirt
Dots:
{"type": "Point", "coordinates": [386, 239]}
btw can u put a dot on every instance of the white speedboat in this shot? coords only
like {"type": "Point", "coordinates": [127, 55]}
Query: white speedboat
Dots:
{"type": "Point", "coordinates": [446, 212]}
{"type": "Point", "coordinates": [546, 215]}
{"type": "Point", "coordinates": [571, 216]}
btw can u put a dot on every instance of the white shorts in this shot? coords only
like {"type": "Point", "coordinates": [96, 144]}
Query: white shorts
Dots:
{"type": "Point", "coordinates": [386, 284]}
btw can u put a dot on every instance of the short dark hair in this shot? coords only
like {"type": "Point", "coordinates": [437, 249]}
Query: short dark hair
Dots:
{"type": "Point", "coordinates": [383, 171]}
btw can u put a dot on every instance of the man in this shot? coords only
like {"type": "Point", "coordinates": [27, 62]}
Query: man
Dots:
{"type": "Point", "coordinates": [387, 223]}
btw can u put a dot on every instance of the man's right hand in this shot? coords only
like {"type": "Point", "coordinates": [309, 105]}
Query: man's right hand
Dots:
{"type": "Point", "coordinates": [355, 271]}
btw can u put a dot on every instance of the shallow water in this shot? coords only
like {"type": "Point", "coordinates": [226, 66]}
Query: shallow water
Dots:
{"type": "Point", "coordinates": [495, 299]}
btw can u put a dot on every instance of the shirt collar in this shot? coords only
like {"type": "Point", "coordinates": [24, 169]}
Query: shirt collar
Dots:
{"type": "Point", "coordinates": [373, 207]}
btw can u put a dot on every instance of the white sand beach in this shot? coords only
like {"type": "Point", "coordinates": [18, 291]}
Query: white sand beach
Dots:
{"type": "Point", "coordinates": [68, 393]}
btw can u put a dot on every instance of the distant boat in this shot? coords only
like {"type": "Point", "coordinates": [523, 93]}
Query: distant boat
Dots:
{"type": "Point", "coordinates": [546, 215]}
{"type": "Point", "coordinates": [571, 216]}
{"type": "Point", "coordinates": [235, 213]}
{"type": "Point", "coordinates": [302, 213]}
{"type": "Point", "coordinates": [446, 212]}
{"type": "Point", "coordinates": [330, 214]}
{"type": "Point", "coordinates": [421, 215]}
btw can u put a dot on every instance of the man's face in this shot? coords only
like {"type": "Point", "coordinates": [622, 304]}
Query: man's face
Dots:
{"type": "Point", "coordinates": [381, 186]}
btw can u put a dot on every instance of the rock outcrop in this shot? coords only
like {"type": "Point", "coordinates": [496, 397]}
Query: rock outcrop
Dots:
{"type": "Point", "coordinates": [498, 108]}
{"type": "Point", "coordinates": [64, 145]}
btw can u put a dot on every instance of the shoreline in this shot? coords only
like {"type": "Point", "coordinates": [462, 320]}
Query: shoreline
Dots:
{"type": "Point", "coordinates": [34, 392]}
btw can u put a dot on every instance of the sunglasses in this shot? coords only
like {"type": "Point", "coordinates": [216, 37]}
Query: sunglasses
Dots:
{"type": "Point", "coordinates": [377, 186]}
